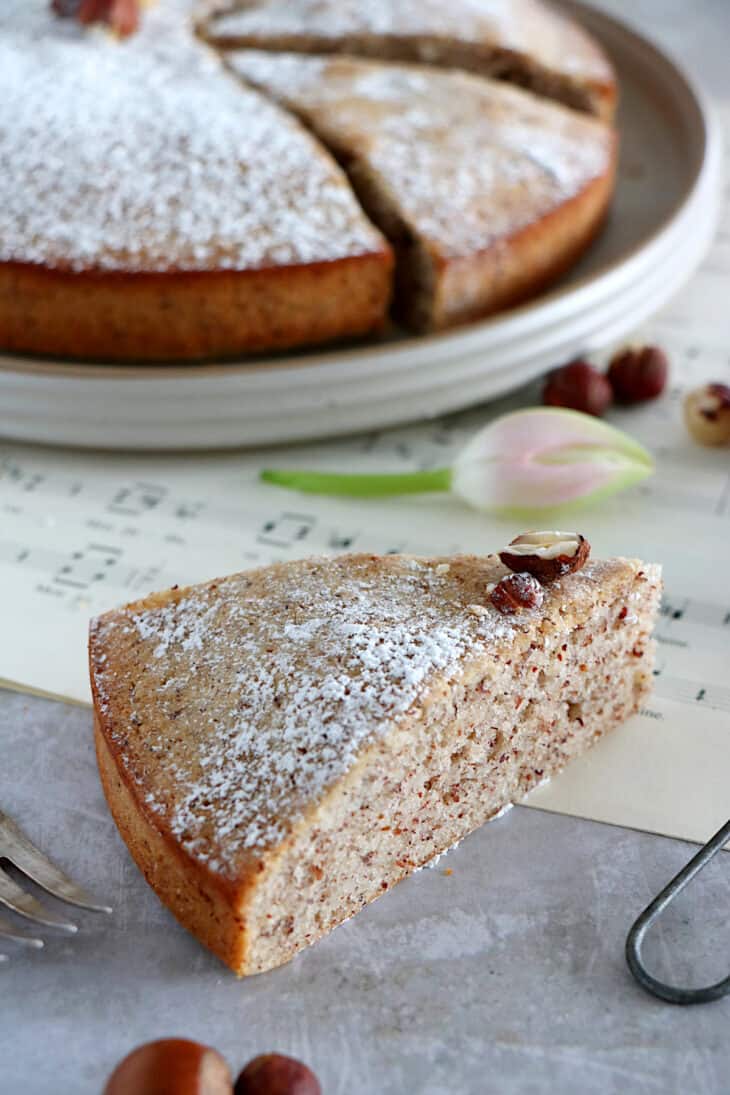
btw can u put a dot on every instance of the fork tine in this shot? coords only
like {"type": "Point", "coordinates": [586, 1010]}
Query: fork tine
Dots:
{"type": "Point", "coordinates": [16, 847]}
{"type": "Point", "coordinates": [7, 932]}
{"type": "Point", "coordinates": [26, 905]}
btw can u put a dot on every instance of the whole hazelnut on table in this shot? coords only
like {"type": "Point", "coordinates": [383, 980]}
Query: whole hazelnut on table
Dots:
{"type": "Point", "coordinates": [638, 373]}
{"type": "Point", "coordinates": [578, 386]}
{"type": "Point", "coordinates": [707, 414]}
{"type": "Point", "coordinates": [274, 1074]}
{"type": "Point", "coordinates": [172, 1066]}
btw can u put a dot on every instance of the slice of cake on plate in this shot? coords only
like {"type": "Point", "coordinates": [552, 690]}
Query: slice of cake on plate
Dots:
{"type": "Point", "coordinates": [522, 41]}
{"type": "Point", "coordinates": [486, 192]}
{"type": "Point", "coordinates": [282, 746]}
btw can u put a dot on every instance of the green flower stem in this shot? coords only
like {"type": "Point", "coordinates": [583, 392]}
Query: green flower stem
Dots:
{"type": "Point", "coordinates": [360, 486]}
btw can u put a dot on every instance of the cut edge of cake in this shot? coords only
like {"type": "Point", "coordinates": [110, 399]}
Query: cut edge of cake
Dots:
{"type": "Point", "coordinates": [589, 86]}
{"type": "Point", "coordinates": [479, 735]}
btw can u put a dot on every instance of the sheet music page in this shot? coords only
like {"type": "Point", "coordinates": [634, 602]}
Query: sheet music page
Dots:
{"type": "Point", "coordinates": [83, 532]}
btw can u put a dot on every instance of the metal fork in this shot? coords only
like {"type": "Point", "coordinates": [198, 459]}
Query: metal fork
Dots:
{"type": "Point", "coordinates": [18, 849]}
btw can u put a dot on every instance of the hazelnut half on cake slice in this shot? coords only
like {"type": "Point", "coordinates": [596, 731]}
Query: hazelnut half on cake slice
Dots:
{"type": "Point", "coordinates": [282, 746]}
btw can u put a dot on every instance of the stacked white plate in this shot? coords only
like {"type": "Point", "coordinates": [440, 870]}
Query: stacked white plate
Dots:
{"type": "Point", "coordinates": [662, 222]}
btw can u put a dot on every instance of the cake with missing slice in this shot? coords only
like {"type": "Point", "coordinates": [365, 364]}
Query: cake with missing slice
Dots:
{"type": "Point", "coordinates": [282, 746]}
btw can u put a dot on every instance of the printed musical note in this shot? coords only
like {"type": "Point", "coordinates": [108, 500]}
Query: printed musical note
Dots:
{"type": "Point", "coordinates": [714, 696]}
{"type": "Point", "coordinates": [188, 511]}
{"type": "Point", "coordinates": [12, 553]}
{"type": "Point", "coordinates": [83, 568]}
{"type": "Point", "coordinates": [286, 530]}
{"type": "Point", "coordinates": [693, 611]}
{"type": "Point", "coordinates": [339, 542]}
{"type": "Point", "coordinates": [137, 498]}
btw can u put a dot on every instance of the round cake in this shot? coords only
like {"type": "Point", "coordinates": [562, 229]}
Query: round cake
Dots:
{"type": "Point", "coordinates": [160, 200]}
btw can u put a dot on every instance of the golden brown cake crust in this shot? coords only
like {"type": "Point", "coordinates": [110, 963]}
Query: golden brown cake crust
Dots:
{"type": "Point", "coordinates": [533, 260]}
{"type": "Point", "coordinates": [188, 316]}
{"type": "Point", "coordinates": [273, 771]}
{"type": "Point", "coordinates": [199, 899]}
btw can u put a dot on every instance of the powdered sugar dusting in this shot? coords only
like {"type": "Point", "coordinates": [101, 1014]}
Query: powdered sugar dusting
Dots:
{"type": "Point", "coordinates": [469, 161]}
{"type": "Point", "coordinates": [147, 156]}
{"type": "Point", "coordinates": [265, 688]}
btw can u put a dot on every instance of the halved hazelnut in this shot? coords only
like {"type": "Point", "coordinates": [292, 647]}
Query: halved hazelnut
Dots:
{"type": "Point", "coordinates": [707, 414]}
{"type": "Point", "coordinates": [546, 555]}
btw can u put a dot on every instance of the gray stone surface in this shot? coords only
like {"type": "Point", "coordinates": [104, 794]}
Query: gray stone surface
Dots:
{"type": "Point", "coordinates": [505, 976]}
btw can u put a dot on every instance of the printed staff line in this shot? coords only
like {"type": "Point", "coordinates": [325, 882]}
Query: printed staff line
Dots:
{"type": "Point", "coordinates": [712, 696]}
{"type": "Point", "coordinates": [674, 609]}
{"type": "Point", "coordinates": [179, 511]}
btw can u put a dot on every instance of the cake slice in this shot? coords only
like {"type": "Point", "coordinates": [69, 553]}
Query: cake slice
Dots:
{"type": "Point", "coordinates": [523, 41]}
{"type": "Point", "coordinates": [486, 192]}
{"type": "Point", "coordinates": [282, 746]}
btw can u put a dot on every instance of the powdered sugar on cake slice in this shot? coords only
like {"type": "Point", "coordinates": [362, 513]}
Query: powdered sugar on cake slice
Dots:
{"type": "Point", "coordinates": [469, 161]}
{"type": "Point", "coordinates": [281, 691]}
{"type": "Point", "coordinates": [236, 705]}
{"type": "Point", "coordinates": [280, 747]}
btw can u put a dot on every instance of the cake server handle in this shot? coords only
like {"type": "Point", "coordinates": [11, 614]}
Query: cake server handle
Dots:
{"type": "Point", "coordinates": [671, 993]}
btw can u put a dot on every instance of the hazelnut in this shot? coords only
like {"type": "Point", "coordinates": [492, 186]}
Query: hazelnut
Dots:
{"type": "Point", "coordinates": [274, 1074]}
{"type": "Point", "coordinates": [707, 414]}
{"type": "Point", "coordinates": [122, 16]}
{"type": "Point", "coordinates": [580, 387]}
{"type": "Point", "coordinates": [515, 592]}
{"type": "Point", "coordinates": [637, 374]}
{"type": "Point", "coordinates": [546, 555]}
{"type": "Point", "coordinates": [172, 1066]}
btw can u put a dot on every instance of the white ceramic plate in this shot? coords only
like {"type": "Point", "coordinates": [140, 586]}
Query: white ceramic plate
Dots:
{"type": "Point", "coordinates": [661, 224]}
